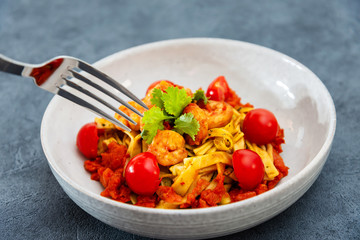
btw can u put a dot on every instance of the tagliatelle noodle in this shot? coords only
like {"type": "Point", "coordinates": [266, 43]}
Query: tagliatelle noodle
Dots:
{"type": "Point", "coordinates": [187, 176]}
{"type": "Point", "coordinates": [135, 143]}
{"type": "Point", "coordinates": [212, 158]}
{"type": "Point", "coordinates": [270, 169]}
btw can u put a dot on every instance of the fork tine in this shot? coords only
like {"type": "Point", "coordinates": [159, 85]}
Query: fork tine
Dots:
{"type": "Point", "coordinates": [65, 94]}
{"type": "Point", "coordinates": [93, 71]}
{"type": "Point", "coordinates": [90, 94]}
{"type": "Point", "coordinates": [91, 83]}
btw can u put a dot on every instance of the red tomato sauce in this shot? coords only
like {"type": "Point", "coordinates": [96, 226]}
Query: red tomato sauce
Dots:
{"type": "Point", "coordinates": [146, 201]}
{"type": "Point", "coordinates": [108, 169]}
{"type": "Point", "coordinates": [168, 194]}
{"type": "Point", "coordinates": [235, 101]}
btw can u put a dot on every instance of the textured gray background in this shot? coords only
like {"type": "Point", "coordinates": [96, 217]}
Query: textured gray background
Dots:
{"type": "Point", "coordinates": [324, 35]}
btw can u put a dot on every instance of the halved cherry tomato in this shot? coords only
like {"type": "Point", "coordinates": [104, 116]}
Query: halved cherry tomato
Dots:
{"type": "Point", "coordinates": [260, 126]}
{"type": "Point", "coordinates": [87, 140]}
{"type": "Point", "coordinates": [142, 174]}
{"type": "Point", "coordinates": [218, 89]}
{"type": "Point", "coordinates": [157, 82]}
{"type": "Point", "coordinates": [249, 168]}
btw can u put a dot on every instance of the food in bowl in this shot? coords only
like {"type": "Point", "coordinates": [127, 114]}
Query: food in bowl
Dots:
{"type": "Point", "coordinates": [190, 150]}
{"type": "Point", "coordinates": [266, 78]}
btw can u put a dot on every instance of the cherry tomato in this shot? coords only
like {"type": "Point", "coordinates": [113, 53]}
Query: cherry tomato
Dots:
{"type": "Point", "coordinates": [87, 140]}
{"type": "Point", "coordinates": [142, 174]}
{"type": "Point", "coordinates": [249, 168]}
{"type": "Point", "coordinates": [218, 89]}
{"type": "Point", "coordinates": [260, 126]}
{"type": "Point", "coordinates": [157, 82]}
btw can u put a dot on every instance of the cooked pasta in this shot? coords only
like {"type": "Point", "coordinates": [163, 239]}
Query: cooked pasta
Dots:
{"type": "Point", "coordinates": [192, 174]}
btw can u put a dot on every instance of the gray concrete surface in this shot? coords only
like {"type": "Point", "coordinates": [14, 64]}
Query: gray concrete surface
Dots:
{"type": "Point", "coordinates": [323, 35]}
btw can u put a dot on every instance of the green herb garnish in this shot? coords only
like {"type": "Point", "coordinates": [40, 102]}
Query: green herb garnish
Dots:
{"type": "Point", "coordinates": [169, 105]}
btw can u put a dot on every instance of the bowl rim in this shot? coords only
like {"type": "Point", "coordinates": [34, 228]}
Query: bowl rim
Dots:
{"type": "Point", "coordinates": [318, 159]}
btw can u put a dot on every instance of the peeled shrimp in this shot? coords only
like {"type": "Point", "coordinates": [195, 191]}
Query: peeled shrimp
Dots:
{"type": "Point", "coordinates": [168, 147]}
{"type": "Point", "coordinates": [163, 85]}
{"type": "Point", "coordinates": [219, 114]}
{"type": "Point", "coordinates": [201, 117]}
{"type": "Point", "coordinates": [131, 114]}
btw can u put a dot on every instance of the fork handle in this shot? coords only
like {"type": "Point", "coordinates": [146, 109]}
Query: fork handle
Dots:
{"type": "Point", "coordinates": [10, 66]}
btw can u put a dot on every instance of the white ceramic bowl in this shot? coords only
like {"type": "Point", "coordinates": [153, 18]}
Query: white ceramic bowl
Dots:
{"type": "Point", "coordinates": [261, 76]}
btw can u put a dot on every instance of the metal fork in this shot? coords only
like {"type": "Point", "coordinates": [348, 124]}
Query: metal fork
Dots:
{"type": "Point", "coordinates": [57, 76]}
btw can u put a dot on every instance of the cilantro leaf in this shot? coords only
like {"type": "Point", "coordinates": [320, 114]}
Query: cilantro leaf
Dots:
{"type": "Point", "coordinates": [153, 121]}
{"type": "Point", "coordinates": [156, 98]}
{"type": "Point", "coordinates": [175, 100]}
{"type": "Point", "coordinates": [149, 134]}
{"type": "Point", "coordinates": [187, 123]}
{"type": "Point", "coordinates": [200, 95]}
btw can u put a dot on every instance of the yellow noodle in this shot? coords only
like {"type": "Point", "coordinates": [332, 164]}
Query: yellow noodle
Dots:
{"type": "Point", "coordinates": [191, 154]}
{"type": "Point", "coordinates": [193, 185]}
{"type": "Point", "coordinates": [269, 149]}
{"type": "Point", "coordinates": [230, 127]}
{"type": "Point", "coordinates": [118, 140]}
{"type": "Point", "coordinates": [204, 148]}
{"type": "Point", "coordinates": [134, 143]}
{"type": "Point", "coordinates": [223, 139]}
{"type": "Point", "coordinates": [212, 185]}
{"type": "Point", "coordinates": [228, 171]}
{"type": "Point", "coordinates": [238, 136]}
{"type": "Point", "coordinates": [242, 116]}
{"type": "Point", "coordinates": [213, 156]}
{"type": "Point", "coordinates": [144, 146]}
{"type": "Point", "coordinates": [166, 205]}
{"type": "Point", "coordinates": [233, 176]}
{"type": "Point", "coordinates": [193, 164]}
{"type": "Point", "coordinates": [236, 113]}
{"type": "Point", "coordinates": [208, 169]}
{"type": "Point", "coordinates": [184, 180]}
{"type": "Point", "coordinates": [228, 180]}
{"type": "Point", "coordinates": [245, 109]}
{"type": "Point", "coordinates": [212, 150]}
{"type": "Point", "coordinates": [226, 197]}
{"type": "Point", "coordinates": [165, 175]}
{"type": "Point", "coordinates": [109, 140]}
{"type": "Point", "coordinates": [133, 198]}
{"type": "Point", "coordinates": [126, 140]}
{"type": "Point", "coordinates": [102, 123]}
{"type": "Point", "coordinates": [236, 121]}
{"type": "Point", "coordinates": [270, 169]}
{"type": "Point", "coordinates": [177, 169]}
{"type": "Point", "coordinates": [220, 167]}
{"type": "Point", "coordinates": [227, 187]}
{"type": "Point", "coordinates": [189, 147]}
{"type": "Point", "coordinates": [101, 147]}
{"type": "Point", "coordinates": [207, 176]}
